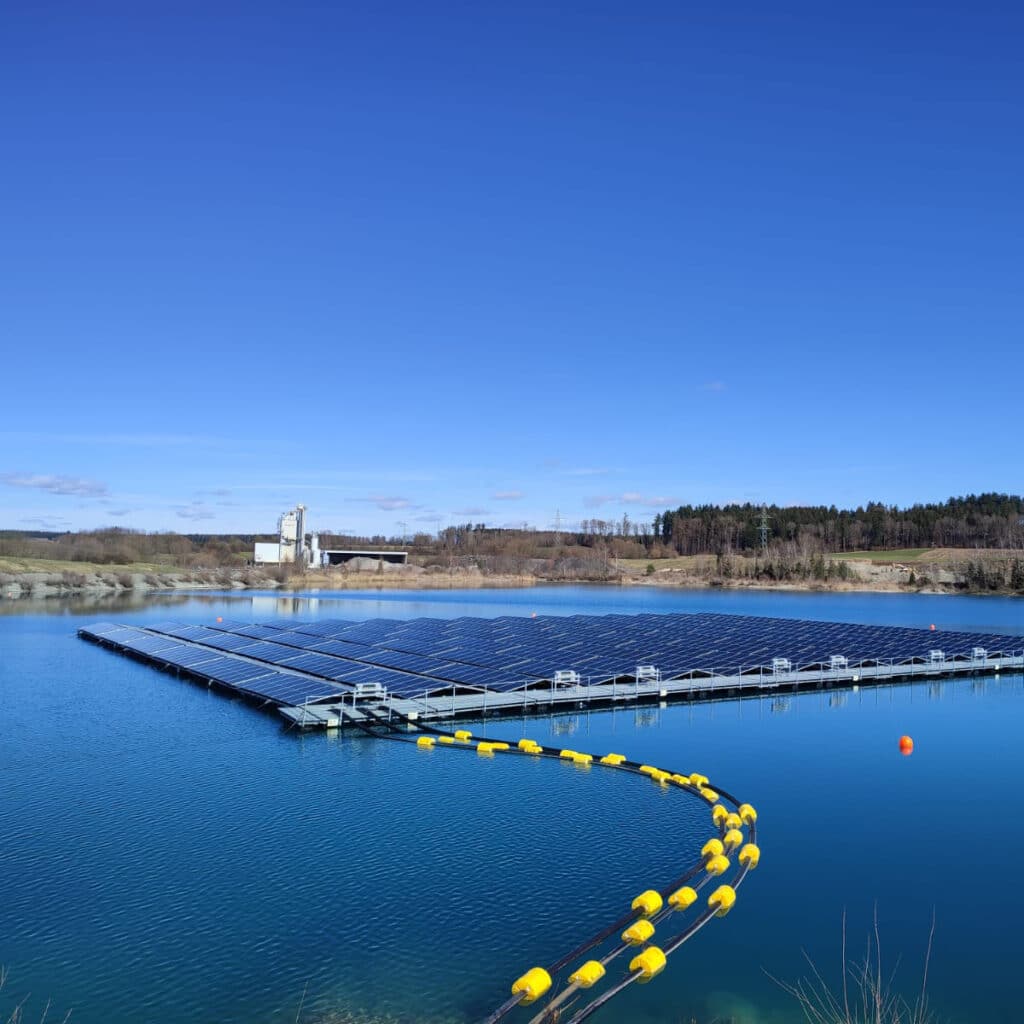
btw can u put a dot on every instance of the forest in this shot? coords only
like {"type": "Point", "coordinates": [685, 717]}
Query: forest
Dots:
{"type": "Point", "coordinates": [772, 532]}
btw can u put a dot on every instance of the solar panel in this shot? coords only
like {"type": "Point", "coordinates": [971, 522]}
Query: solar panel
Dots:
{"type": "Point", "coordinates": [150, 644]}
{"type": "Point", "coordinates": [185, 632]}
{"type": "Point", "coordinates": [295, 639]}
{"type": "Point", "coordinates": [345, 649]}
{"type": "Point", "coordinates": [429, 655]}
{"type": "Point", "coordinates": [324, 665]}
{"type": "Point", "coordinates": [323, 628]}
{"type": "Point", "coordinates": [258, 632]}
{"type": "Point", "coordinates": [264, 650]}
{"type": "Point", "coordinates": [288, 689]}
{"type": "Point", "coordinates": [191, 657]}
{"type": "Point", "coordinates": [102, 630]}
{"type": "Point", "coordinates": [232, 670]}
{"type": "Point", "coordinates": [228, 642]}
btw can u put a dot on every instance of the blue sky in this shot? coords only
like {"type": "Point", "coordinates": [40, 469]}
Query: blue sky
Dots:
{"type": "Point", "coordinates": [427, 263]}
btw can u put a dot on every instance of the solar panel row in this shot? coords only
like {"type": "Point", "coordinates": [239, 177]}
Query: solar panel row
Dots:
{"type": "Point", "coordinates": [429, 656]}
{"type": "Point", "coordinates": [247, 677]}
{"type": "Point", "coordinates": [302, 659]}
{"type": "Point", "coordinates": [508, 651]}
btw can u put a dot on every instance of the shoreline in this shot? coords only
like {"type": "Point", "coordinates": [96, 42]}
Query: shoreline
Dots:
{"type": "Point", "coordinates": [41, 585]}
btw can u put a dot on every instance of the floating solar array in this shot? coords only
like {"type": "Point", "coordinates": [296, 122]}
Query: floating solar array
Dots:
{"type": "Point", "coordinates": [253, 678]}
{"type": "Point", "coordinates": [510, 652]}
{"type": "Point", "coordinates": [290, 663]}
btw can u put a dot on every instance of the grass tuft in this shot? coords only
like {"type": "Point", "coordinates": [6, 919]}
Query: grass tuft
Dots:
{"type": "Point", "coordinates": [867, 994]}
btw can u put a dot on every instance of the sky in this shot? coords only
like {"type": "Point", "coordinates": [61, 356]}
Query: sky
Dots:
{"type": "Point", "coordinates": [419, 264]}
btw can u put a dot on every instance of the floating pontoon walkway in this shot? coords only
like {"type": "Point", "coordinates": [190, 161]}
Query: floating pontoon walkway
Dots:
{"type": "Point", "coordinates": [320, 673]}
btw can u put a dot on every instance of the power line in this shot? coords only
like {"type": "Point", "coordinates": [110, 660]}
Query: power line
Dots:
{"type": "Point", "coordinates": [763, 528]}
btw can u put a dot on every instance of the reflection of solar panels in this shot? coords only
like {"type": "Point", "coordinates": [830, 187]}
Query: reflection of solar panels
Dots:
{"type": "Point", "coordinates": [430, 656]}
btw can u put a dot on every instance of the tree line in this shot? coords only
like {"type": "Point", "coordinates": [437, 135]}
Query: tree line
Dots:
{"type": "Point", "coordinates": [791, 532]}
{"type": "Point", "coordinates": [118, 546]}
{"type": "Point", "coordinates": [974, 521]}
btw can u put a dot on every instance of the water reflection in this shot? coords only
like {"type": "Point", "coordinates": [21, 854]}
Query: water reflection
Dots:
{"type": "Point", "coordinates": [284, 606]}
{"type": "Point", "coordinates": [89, 603]}
{"type": "Point", "coordinates": [565, 726]}
{"type": "Point", "coordinates": [645, 718]}
{"type": "Point", "coordinates": [257, 607]}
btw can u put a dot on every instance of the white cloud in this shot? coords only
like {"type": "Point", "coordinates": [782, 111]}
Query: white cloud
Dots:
{"type": "Point", "coordinates": [587, 471]}
{"type": "Point", "coordinates": [507, 495]}
{"type": "Point", "coordinates": [631, 498]}
{"type": "Point", "coordinates": [657, 500]}
{"type": "Point", "coordinates": [196, 511]}
{"type": "Point", "coordinates": [471, 511]}
{"type": "Point", "coordinates": [68, 485]}
{"type": "Point", "coordinates": [388, 503]}
{"type": "Point", "coordinates": [41, 523]}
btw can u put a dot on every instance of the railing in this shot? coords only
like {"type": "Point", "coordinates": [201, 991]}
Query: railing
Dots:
{"type": "Point", "coordinates": [755, 677]}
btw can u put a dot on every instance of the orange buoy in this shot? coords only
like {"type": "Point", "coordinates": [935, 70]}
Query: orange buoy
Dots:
{"type": "Point", "coordinates": [906, 745]}
{"type": "Point", "coordinates": [220, 618]}
{"type": "Point", "coordinates": [932, 627]}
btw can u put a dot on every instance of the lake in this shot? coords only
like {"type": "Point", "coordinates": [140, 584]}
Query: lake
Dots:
{"type": "Point", "coordinates": [172, 855]}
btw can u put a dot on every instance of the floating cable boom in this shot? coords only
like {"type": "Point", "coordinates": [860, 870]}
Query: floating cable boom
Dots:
{"type": "Point", "coordinates": [649, 909]}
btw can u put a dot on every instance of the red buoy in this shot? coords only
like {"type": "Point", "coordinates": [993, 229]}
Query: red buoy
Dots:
{"type": "Point", "coordinates": [906, 745]}
{"type": "Point", "coordinates": [932, 626]}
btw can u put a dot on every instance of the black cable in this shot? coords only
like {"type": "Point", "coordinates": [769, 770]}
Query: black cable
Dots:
{"type": "Point", "coordinates": [668, 948]}
{"type": "Point", "coordinates": [633, 767]}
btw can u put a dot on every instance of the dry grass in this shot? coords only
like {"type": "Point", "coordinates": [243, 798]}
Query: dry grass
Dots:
{"type": "Point", "coordinates": [894, 555]}
{"type": "Point", "coordinates": [19, 565]}
{"type": "Point", "coordinates": [17, 1015]}
{"type": "Point", "coordinates": [930, 556]}
{"type": "Point", "coordinates": [867, 995]}
{"type": "Point", "coordinates": [953, 556]}
{"type": "Point", "coordinates": [926, 556]}
{"type": "Point", "coordinates": [684, 563]}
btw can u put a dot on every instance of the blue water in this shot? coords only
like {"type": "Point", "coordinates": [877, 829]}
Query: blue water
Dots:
{"type": "Point", "coordinates": [169, 854]}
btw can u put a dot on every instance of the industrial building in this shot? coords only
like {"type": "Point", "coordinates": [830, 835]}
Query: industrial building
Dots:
{"type": "Point", "coordinates": [291, 546]}
{"type": "Point", "coordinates": [295, 547]}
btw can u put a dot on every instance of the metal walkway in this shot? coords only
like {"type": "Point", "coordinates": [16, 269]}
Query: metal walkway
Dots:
{"type": "Point", "coordinates": [319, 674]}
